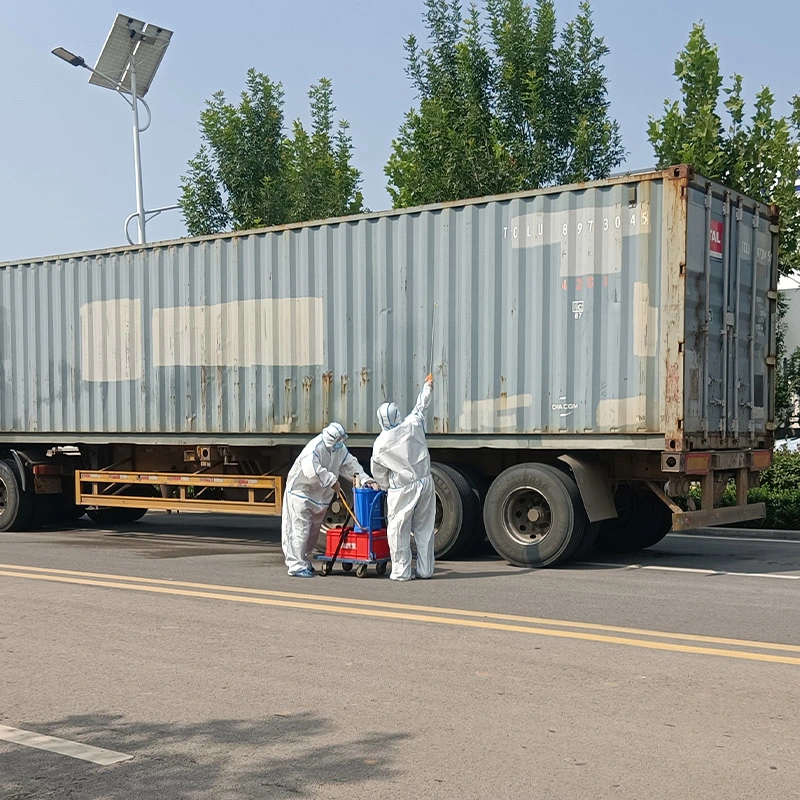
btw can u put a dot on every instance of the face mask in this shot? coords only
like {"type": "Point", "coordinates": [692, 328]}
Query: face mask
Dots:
{"type": "Point", "coordinates": [338, 446]}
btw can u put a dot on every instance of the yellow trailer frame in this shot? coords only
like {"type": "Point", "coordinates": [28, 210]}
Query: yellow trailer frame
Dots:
{"type": "Point", "coordinates": [104, 489]}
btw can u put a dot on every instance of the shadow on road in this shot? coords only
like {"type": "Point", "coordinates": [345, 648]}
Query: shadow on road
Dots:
{"type": "Point", "coordinates": [282, 756]}
{"type": "Point", "coordinates": [163, 536]}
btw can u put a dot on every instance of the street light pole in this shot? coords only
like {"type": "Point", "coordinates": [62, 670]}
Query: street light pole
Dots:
{"type": "Point", "coordinates": [137, 156]}
{"type": "Point", "coordinates": [145, 46]}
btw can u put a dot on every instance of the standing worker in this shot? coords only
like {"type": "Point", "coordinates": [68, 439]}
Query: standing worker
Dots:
{"type": "Point", "coordinates": [401, 464]}
{"type": "Point", "coordinates": [313, 480]}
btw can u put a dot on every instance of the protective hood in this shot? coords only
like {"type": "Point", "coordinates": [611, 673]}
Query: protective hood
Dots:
{"type": "Point", "coordinates": [388, 416]}
{"type": "Point", "coordinates": [332, 435]}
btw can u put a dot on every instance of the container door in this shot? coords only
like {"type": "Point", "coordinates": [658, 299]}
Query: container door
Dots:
{"type": "Point", "coordinates": [730, 318]}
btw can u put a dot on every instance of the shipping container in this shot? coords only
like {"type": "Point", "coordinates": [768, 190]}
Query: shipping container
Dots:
{"type": "Point", "coordinates": [623, 327]}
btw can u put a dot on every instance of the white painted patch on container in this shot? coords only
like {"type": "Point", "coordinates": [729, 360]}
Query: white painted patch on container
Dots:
{"type": "Point", "coordinates": [64, 747]}
{"type": "Point", "coordinates": [622, 413]}
{"type": "Point", "coordinates": [246, 333]}
{"type": "Point", "coordinates": [645, 322]}
{"type": "Point", "coordinates": [494, 414]}
{"type": "Point", "coordinates": [111, 340]}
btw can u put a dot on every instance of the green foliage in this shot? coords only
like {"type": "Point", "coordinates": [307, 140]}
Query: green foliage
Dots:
{"type": "Point", "coordinates": [757, 156]}
{"type": "Point", "coordinates": [779, 490]}
{"type": "Point", "coordinates": [249, 174]}
{"type": "Point", "coordinates": [321, 182]}
{"type": "Point", "coordinates": [787, 386]}
{"type": "Point", "coordinates": [503, 105]}
{"type": "Point", "coordinates": [783, 508]}
{"type": "Point", "coordinates": [784, 474]}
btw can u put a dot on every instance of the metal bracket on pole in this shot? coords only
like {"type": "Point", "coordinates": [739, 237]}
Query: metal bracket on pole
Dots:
{"type": "Point", "coordinates": [152, 214]}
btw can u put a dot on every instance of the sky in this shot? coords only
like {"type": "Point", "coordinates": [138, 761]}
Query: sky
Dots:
{"type": "Point", "coordinates": [66, 150]}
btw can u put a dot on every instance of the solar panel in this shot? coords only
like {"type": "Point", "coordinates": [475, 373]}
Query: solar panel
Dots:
{"type": "Point", "coordinates": [116, 53]}
{"type": "Point", "coordinates": [130, 38]}
{"type": "Point", "coordinates": [148, 55]}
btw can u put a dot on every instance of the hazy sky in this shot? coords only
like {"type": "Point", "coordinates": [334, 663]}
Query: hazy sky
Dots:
{"type": "Point", "coordinates": [66, 172]}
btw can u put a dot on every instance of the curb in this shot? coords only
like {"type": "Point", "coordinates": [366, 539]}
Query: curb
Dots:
{"type": "Point", "coordinates": [745, 533]}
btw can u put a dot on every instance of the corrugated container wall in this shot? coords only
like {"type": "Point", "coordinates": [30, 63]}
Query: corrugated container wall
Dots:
{"type": "Point", "coordinates": [557, 314]}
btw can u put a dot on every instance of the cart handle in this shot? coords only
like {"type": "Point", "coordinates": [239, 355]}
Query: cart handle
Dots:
{"type": "Point", "coordinates": [349, 510]}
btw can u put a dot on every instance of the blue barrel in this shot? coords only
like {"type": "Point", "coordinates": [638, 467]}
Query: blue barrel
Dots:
{"type": "Point", "coordinates": [368, 505]}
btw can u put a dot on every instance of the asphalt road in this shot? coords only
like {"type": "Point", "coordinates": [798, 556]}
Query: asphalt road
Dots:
{"type": "Point", "coordinates": [180, 643]}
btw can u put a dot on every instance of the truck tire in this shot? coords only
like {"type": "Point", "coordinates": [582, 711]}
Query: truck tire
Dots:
{"type": "Point", "coordinates": [16, 506]}
{"type": "Point", "coordinates": [457, 509]}
{"type": "Point", "coordinates": [479, 486]}
{"type": "Point", "coordinates": [644, 520]}
{"type": "Point", "coordinates": [115, 516]}
{"type": "Point", "coordinates": [335, 517]}
{"type": "Point", "coordinates": [534, 515]}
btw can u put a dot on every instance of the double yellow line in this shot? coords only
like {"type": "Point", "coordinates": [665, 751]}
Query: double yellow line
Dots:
{"type": "Point", "coordinates": [564, 629]}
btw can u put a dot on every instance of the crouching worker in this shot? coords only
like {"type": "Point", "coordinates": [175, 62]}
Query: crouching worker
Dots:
{"type": "Point", "coordinates": [401, 465]}
{"type": "Point", "coordinates": [313, 480]}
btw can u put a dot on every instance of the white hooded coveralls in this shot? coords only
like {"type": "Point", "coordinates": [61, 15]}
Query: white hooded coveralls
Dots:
{"type": "Point", "coordinates": [309, 491]}
{"type": "Point", "coordinates": [401, 465]}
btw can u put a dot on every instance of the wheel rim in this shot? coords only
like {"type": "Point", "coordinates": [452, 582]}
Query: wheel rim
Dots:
{"type": "Point", "coordinates": [335, 517]}
{"type": "Point", "coordinates": [527, 516]}
{"type": "Point", "coordinates": [439, 516]}
{"type": "Point", "coordinates": [3, 497]}
{"type": "Point", "coordinates": [437, 519]}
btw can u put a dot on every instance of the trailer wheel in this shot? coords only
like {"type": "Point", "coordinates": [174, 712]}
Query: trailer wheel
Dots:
{"type": "Point", "coordinates": [335, 517]}
{"type": "Point", "coordinates": [534, 515]}
{"type": "Point", "coordinates": [479, 486]}
{"type": "Point", "coordinates": [16, 506]}
{"type": "Point", "coordinates": [643, 520]}
{"type": "Point", "coordinates": [361, 571]}
{"type": "Point", "coordinates": [115, 516]}
{"type": "Point", "coordinates": [457, 508]}
{"type": "Point", "coordinates": [347, 566]}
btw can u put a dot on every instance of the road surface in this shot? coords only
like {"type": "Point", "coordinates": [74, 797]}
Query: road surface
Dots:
{"type": "Point", "coordinates": [179, 645]}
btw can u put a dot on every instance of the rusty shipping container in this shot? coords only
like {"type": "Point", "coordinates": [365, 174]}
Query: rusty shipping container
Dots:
{"type": "Point", "coordinates": [636, 312]}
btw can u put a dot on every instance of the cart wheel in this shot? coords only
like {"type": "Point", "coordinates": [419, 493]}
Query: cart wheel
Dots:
{"type": "Point", "coordinates": [347, 567]}
{"type": "Point", "coordinates": [325, 569]}
{"type": "Point", "coordinates": [361, 570]}
{"type": "Point", "coordinates": [381, 568]}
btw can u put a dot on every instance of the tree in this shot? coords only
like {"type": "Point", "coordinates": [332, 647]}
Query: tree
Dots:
{"type": "Point", "coordinates": [321, 181]}
{"type": "Point", "coordinates": [448, 148]}
{"type": "Point", "coordinates": [787, 377]}
{"type": "Point", "coordinates": [503, 105]}
{"type": "Point", "coordinates": [249, 174]}
{"type": "Point", "coordinates": [758, 157]}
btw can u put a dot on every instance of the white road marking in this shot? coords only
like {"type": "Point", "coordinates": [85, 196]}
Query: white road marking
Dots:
{"type": "Point", "coordinates": [695, 570]}
{"type": "Point", "coordinates": [64, 747]}
{"type": "Point", "coordinates": [759, 539]}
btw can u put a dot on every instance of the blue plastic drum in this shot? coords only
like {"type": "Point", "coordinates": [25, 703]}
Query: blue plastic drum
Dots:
{"type": "Point", "coordinates": [368, 505]}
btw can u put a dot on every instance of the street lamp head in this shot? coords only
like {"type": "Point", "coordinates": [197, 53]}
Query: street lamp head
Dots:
{"type": "Point", "coordinates": [70, 58]}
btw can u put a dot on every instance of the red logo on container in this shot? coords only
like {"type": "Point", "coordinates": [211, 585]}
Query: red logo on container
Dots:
{"type": "Point", "coordinates": [715, 239]}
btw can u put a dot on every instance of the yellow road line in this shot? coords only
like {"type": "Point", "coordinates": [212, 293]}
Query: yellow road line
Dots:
{"type": "Point", "coordinates": [487, 615]}
{"type": "Point", "coordinates": [440, 620]}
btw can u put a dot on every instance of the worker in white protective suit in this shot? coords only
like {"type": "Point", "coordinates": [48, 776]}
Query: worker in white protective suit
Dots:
{"type": "Point", "coordinates": [313, 480]}
{"type": "Point", "coordinates": [401, 465]}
